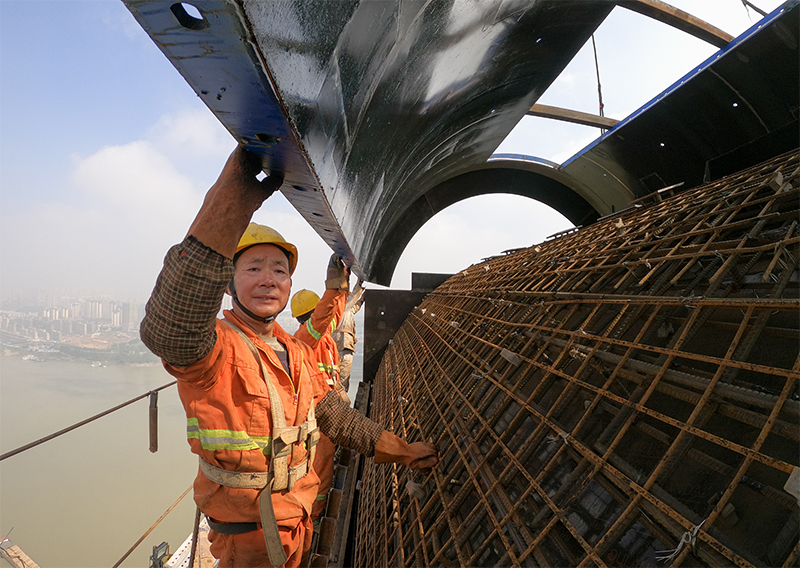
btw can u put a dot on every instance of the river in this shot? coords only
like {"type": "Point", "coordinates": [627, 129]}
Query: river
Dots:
{"type": "Point", "coordinates": [83, 499]}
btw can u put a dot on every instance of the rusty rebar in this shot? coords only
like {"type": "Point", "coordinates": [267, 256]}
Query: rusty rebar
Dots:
{"type": "Point", "coordinates": [600, 395]}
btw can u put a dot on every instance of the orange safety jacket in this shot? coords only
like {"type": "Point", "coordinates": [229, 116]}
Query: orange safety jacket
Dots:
{"type": "Point", "coordinates": [229, 420]}
{"type": "Point", "coordinates": [316, 333]}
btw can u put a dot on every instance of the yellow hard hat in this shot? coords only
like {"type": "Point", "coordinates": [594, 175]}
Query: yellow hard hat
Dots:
{"type": "Point", "coordinates": [303, 302]}
{"type": "Point", "coordinates": [262, 235]}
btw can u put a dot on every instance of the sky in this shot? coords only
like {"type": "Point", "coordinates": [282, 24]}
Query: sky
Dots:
{"type": "Point", "coordinates": [106, 152]}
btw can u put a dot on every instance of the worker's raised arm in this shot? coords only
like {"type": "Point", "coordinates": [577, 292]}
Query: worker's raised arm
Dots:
{"type": "Point", "coordinates": [180, 321]}
{"type": "Point", "coordinates": [327, 314]}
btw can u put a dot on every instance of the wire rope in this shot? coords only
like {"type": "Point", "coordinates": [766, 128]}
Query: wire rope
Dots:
{"type": "Point", "coordinates": [81, 423]}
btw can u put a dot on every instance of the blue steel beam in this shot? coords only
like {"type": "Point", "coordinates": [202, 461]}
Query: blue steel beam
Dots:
{"type": "Point", "coordinates": [213, 49]}
{"type": "Point", "coordinates": [741, 105]}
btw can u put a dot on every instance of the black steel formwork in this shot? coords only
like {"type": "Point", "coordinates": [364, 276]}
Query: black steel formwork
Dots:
{"type": "Point", "coordinates": [623, 395]}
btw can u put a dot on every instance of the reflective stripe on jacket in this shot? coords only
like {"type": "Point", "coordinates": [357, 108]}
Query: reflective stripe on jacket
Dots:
{"type": "Point", "coordinates": [229, 419]}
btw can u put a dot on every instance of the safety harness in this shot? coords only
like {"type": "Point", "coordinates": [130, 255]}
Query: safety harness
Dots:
{"type": "Point", "coordinates": [280, 476]}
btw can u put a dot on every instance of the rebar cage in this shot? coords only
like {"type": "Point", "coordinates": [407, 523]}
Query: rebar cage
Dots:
{"type": "Point", "coordinates": [622, 395]}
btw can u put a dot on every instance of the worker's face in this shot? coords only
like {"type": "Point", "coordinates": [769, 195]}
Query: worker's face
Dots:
{"type": "Point", "coordinates": [262, 280]}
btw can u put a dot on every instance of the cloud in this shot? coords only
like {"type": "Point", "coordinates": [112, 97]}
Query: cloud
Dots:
{"type": "Point", "coordinates": [474, 229]}
{"type": "Point", "coordinates": [194, 132]}
{"type": "Point", "coordinates": [108, 231]}
{"type": "Point", "coordinates": [134, 180]}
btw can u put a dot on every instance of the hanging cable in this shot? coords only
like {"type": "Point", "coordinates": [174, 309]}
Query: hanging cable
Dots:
{"type": "Point", "coordinates": [144, 536]}
{"type": "Point", "coordinates": [83, 422]}
{"type": "Point", "coordinates": [747, 5]}
{"type": "Point", "coordinates": [599, 88]}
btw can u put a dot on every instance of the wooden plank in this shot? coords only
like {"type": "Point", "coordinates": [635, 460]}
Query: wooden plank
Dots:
{"type": "Point", "coordinates": [678, 19]}
{"type": "Point", "coordinates": [15, 556]}
{"type": "Point", "coordinates": [574, 116]}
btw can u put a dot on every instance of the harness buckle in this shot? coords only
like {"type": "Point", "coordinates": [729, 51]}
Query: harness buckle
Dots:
{"type": "Point", "coordinates": [282, 440]}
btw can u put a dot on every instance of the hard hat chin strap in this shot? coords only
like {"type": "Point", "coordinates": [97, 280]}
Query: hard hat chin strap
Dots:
{"type": "Point", "coordinates": [247, 312]}
{"type": "Point", "coordinates": [269, 319]}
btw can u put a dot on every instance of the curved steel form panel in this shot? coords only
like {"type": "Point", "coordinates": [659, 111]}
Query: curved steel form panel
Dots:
{"type": "Point", "coordinates": [365, 105]}
{"type": "Point", "coordinates": [620, 396]}
{"type": "Point", "coordinates": [393, 98]}
{"type": "Point", "coordinates": [517, 175]}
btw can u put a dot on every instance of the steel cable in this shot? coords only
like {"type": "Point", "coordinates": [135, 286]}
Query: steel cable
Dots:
{"type": "Point", "coordinates": [81, 423]}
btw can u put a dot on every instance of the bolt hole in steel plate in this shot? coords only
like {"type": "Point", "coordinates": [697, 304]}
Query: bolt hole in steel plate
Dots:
{"type": "Point", "coordinates": [189, 16]}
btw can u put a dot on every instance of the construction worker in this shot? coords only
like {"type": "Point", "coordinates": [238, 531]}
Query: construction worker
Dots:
{"type": "Point", "coordinates": [345, 334]}
{"type": "Point", "coordinates": [317, 318]}
{"type": "Point", "coordinates": [254, 397]}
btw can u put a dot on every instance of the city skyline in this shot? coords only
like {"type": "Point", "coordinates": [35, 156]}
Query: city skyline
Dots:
{"type": "Point", "coordinates": [52, 319]}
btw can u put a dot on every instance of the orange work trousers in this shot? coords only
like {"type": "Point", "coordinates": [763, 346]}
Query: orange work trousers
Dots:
{"type": "Point", "coordinates": [248, 550]}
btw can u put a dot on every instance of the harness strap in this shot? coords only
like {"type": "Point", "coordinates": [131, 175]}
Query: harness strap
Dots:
{"type": "Point", "coordinates": [280, 476]}
{"type": "Point", "coordinates": [272, 537]}
{"type": "Point", "coordinates": [284, 436]}
{"type": "Point", "coordinates": [231, 528]}
{"type": "Point", "coordinates": [243, 480]}
{"type": "Point", "coordinates": [250, 480]}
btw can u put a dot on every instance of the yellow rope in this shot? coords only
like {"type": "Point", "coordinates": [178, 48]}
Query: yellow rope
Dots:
{"type": "Point", "coordinates": [161, 518]}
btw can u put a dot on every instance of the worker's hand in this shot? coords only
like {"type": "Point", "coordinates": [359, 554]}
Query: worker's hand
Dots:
{"type": "Point", "coordinates": [231, 202]}
{"type": "Point", "coordinates": [337, 276]}
{"type": "Point", "coordinates": [425, 455]}
{"type": "Point", "coordinates": [240, 171]}
{"type": "Point", "coordinates": [417, 455]}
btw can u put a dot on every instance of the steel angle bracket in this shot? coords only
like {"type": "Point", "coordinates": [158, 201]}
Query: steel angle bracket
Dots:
{"type": "Point", "coordinates": [211, 45]}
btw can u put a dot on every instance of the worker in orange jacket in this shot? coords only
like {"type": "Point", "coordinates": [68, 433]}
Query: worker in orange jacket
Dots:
{"type": "Point", "coordinates": [317, 318]}
{"type": "Point", "coordinates": [254, 397]}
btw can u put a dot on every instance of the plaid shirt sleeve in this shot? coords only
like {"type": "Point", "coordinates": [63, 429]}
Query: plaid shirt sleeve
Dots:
{"type": "Point", "coordinates": [346, 426]}
{"type": "Point", "coordinates": [180, 321]}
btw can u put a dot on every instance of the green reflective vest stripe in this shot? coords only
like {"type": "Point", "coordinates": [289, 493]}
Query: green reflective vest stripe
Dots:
{"type": "Point", "coordinates": [310, 328]}
{"type": "Point", "coordinates": [326, 368]}
{"type": "Point", "coordinates": [314, 333]}
{"type": "Point", "coordinates": [226, 439]}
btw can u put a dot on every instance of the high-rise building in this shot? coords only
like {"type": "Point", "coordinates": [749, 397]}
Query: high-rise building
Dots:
{"type": "Point", "coordinates": [95, 309]}
{"type": "Point", "coordinates": [130, 316]}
